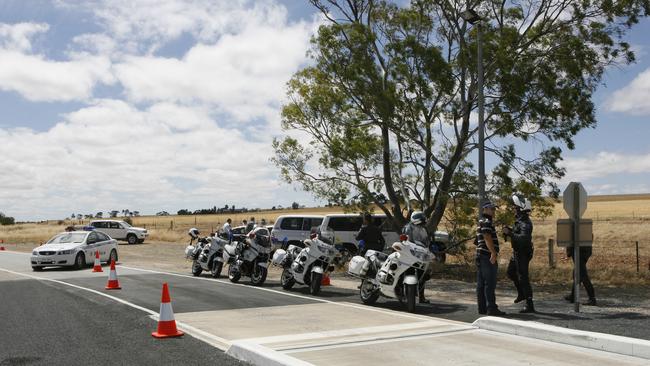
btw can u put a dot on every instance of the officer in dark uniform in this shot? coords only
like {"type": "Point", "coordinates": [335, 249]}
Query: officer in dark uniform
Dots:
{"type": "Point", "coordinates": [521, 238]}
{"type": "Point", "coordinates": [585, 253]}
{"type": "Point", "coordinates": [371, 236]}
{"type": "Point", "coordinates": [487, 250]}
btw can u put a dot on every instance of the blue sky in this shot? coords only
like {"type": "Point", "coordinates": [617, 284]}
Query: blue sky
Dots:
{"type": "Point", "coordinates": [161, 105]}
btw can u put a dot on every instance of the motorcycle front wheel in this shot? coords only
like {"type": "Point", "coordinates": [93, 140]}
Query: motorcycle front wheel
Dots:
{"type": "Point", "coordinates": [368, 293]}
{"type": "Point", "coordinates": [216, 269]}
{"type": "Point", "coordinates": [286, 280]}
{"type": "Point", "coordinates": [314, 286]}
{"type": "Point", "coordinates": [234, 274]}
{"type": "Point", "coordinates": [259, 275]}
{"type": "Point", "coordinates": [196, 268]}
{"type": "Point", "coordinates": [410, 298]}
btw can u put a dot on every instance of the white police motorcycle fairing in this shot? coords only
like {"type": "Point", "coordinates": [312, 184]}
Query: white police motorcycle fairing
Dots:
{"type": "Point", "coordinates": [207, 255]}
{"type": "Point", "coordinates": [250, 257]}
{"type": "Point", "coordinates": [307, 266]}
{"type": "Point", "coordinates": [397, 275]}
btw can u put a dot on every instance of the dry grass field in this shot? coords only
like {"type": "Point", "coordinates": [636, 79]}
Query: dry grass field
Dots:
{"type": "Point", "coordinates": [619, 222]}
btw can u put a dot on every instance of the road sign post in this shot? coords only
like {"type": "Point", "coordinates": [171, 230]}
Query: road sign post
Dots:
{"type": "Point", "coordinates": [575, 205]}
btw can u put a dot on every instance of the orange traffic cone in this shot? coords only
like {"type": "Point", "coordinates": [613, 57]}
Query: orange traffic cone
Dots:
{"type": "Point", "coordinates": [326, 280]}
{"type": "Point", "coordinates": [166, 322]}
{"type": "Point", "coordinates": [113, 283]}
{"type": "Point", "coordinates": [97, 267]}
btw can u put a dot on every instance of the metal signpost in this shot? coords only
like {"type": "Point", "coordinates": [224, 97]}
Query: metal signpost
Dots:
{"type": "Point", "coordinates": [575, 205]}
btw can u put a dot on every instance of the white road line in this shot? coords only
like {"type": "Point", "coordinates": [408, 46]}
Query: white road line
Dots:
{"type": "Point", "coordinates": [208, 338]}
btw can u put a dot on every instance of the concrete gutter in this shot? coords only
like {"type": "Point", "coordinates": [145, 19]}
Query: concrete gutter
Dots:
{"type": "Point", "coordinates": [257, 354]}
{"type": "Point", "coordinates": [599, 341]}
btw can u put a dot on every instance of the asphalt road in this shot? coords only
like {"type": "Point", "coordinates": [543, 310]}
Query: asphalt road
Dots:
{"type": "Point", "coordinates": [52, 323]}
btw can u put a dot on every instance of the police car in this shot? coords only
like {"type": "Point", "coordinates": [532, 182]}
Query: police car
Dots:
{"type": "Point", "coordinates": [75, 249]}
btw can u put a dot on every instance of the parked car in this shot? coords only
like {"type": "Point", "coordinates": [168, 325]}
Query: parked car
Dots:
{"type": "Point", "coordinates": [346, 227]}
{"type": "Point", "coordinates": [74, 248]}
{"type": "Point", "coordinates": [293, 229]}
{"type": "Point", "coordinates": [121, 230]}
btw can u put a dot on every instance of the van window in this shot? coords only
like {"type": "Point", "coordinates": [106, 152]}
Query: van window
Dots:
{"type": "Point", "coordinates": [346, 223]}
{"type": "Point", "coordinates": [310, 223]}
{"type": "Point", "coordinates": [291, 223]}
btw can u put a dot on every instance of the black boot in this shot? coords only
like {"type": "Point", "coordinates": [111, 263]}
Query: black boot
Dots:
{"type": "Point", "coordinates": [495, 312]}
{"type": "Point", "coordinates": [591, 302]}
{"type": "Point", "coordinates": [529, 307]}
{"type": "Point", "coordinates": [569, 298]}
{"type": "Point", "coordinates": [519, 298]}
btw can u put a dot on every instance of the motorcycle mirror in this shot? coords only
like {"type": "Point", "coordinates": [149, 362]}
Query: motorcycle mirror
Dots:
{"type": "Point", "coordinates": [403, 237]}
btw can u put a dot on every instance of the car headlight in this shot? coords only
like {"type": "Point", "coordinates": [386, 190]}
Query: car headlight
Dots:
{"type": "Point", "coordinates": [34, 253]}
{"type": "Point", "coordinates": [65, 252]}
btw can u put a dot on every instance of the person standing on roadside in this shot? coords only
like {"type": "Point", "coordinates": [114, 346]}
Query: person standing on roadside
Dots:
{"type": "Point", "coordinates": [521, 238]}
{"type": "Point", "coordinates": [371, 236]}
{"type": "Point", "coordinates": [227, 229]}
{"type": "Point", "coordinates": [251, 225]}
{"type": "Point", "coordinates": [487, 250]}
{"type": "Point", "coordinates": [585, 253]}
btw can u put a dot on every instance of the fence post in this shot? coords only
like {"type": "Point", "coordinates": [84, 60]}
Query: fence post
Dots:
{"type": "Point", "coordinates": [637, 257]}
{"type": "Point", "coordinates": [551, 258]}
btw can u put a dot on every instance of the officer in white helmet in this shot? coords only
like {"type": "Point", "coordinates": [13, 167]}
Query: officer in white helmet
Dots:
{"type": "Point", "coordinates": [521, 238]}
{"type": "Point", "coordinates": [417, 233]}
{"type": "Point", "coordinates": [194, 234]}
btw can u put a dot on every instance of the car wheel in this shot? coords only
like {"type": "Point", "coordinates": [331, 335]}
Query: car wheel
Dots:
{"type": "Point", "coordinates": [80, 261]}
{"type": "Point", "coordinates": [131, 239]}
{"type": "Point", "coordinates": [112, 256]}
{"type": "Point", "coordinates": [37, 269]}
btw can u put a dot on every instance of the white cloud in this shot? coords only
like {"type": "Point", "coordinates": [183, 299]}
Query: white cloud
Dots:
{"type": "Point", "coordinates": [633, 98]}
{"type": "Point", "coordinates": [605, 164]}
{"type": "Point", "coordinates": [112, 154]}
{"type": "Point", "coordinates": [18, 36]}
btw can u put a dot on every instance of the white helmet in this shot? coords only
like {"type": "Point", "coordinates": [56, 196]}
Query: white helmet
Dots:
{"type": "Point", "coordinates": [194, 233]}
{"type": "Point", "coordinates": [522, 203]}
{"type": "Point", "coordinates": [417, 218]}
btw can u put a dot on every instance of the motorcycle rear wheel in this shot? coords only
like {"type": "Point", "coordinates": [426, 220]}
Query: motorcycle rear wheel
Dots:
{"type": "Point", "coordinates": [196, 268]}
{"type": "Point", "coordinates": [234, 273]}
{"type": "Point", "coordinates": [368, 293]}
{"type": "Point", "coordinates": [314, 286]}
{"type": "Point", "coordinates": [286, 280]}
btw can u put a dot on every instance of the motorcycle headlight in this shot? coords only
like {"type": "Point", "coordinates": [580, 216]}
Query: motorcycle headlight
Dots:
{"type": "Point", "coordinates": [64, 252]}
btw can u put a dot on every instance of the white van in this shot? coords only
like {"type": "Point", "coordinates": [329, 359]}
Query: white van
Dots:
{"type": "Point", "coordinates": [347, 226]}
{"type": "Point", "coordinates": [293, 229]}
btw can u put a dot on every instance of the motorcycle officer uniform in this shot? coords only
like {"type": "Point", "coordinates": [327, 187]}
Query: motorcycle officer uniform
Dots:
{"type": "Point", "coordinates": [418, 234]}
{"type": "Point", "coordinates": [522, 252]}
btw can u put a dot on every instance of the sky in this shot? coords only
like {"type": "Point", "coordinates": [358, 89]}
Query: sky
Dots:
{"type": "Point", "coordinates": [155, 105]}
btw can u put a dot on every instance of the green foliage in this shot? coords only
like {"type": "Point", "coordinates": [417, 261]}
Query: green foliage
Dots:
{"type": "Point", "coordinates": [381, 116]}
{"type": "Point", "coordinates": [6, 220]}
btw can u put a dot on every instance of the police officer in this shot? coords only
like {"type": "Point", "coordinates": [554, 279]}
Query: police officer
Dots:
{"type": "Point", "coordinates": [521, 238]}
{"type": "Point", "coordinates": [585, 253]}
{"type": "Point", "coordinates": [371, 236]}
{"type": "Point", "coordinates": [487, 250]}
{"type": "Point", "coordinates": [417, 233]}
{"type": "Point", "coordinates": [227, 230]}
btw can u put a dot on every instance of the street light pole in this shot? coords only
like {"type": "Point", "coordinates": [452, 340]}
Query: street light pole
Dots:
{"type": "Point", "coordinates": [481, 121]}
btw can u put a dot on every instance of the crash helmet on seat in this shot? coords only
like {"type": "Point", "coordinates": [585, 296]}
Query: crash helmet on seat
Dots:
{"type": "Point", "coordinates": [521, 203]}
{"type": "Point", "coordinates": [418, 218]}
{"type": "Point", "coordinates": [194, 233]}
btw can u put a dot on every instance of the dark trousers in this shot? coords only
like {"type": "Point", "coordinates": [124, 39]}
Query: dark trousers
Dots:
{"type": "Point", "coordinates": [518, 271]}
{"type": "Point", "coordinates": [486, 283]}
{"type": "Point", "coordinates": [584, 278]}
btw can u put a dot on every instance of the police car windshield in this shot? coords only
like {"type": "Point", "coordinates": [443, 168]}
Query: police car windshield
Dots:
{"type": "Point", "coordinates": [68, 238]}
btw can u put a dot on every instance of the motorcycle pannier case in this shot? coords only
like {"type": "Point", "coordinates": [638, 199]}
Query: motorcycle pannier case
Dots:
{"type": "Point", "coordinates": [355, 268]}
{"type": "Point", "coordinates": [279, 256]}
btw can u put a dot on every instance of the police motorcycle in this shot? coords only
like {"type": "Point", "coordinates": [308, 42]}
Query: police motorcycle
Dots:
{"type": "Point", "coordinates": [308, 265]}
{"type": "Point", "coordinates": [397, 275]}
{"type": "Point", "coordinates": [207, 254]}
{"type": "Point", "coordinates": [249, 257]}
